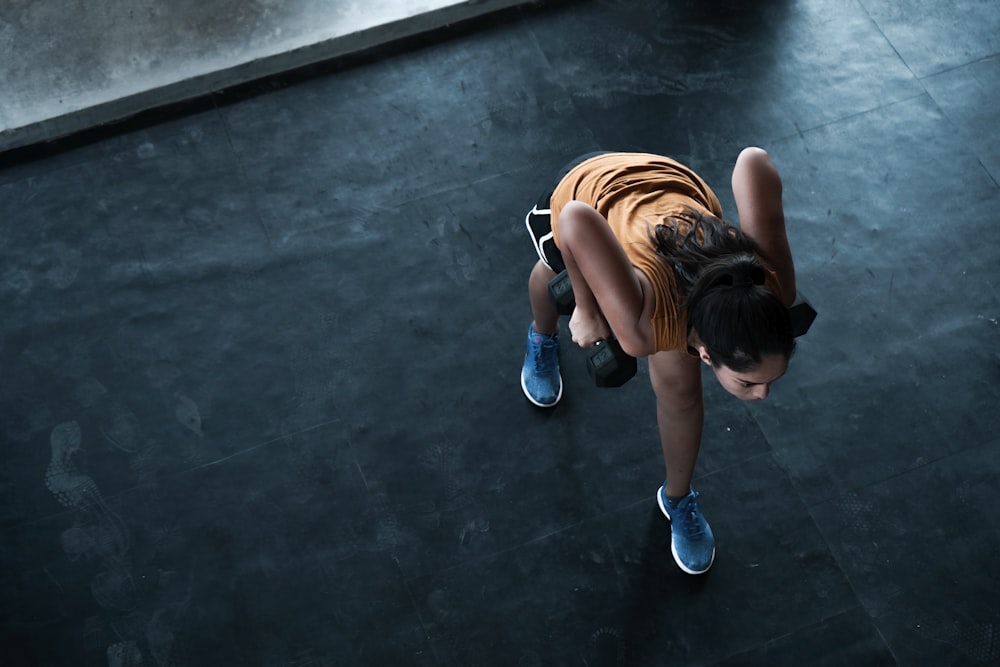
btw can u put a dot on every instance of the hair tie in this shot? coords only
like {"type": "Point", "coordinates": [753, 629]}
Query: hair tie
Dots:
{"type": "Point", "coordinates": [742, 280]}
{"type": "Point", "coordinates": [748, 277]}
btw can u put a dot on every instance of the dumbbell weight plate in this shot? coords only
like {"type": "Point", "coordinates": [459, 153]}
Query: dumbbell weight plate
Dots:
{"type": "Point", "coordinates": [609, 366]}
{"type": "Point", "coordinates": [561, 294]}
{"type": "Point", "coordinates": [802, 314]}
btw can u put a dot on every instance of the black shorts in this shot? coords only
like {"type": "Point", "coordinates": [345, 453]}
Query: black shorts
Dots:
{"type": "Point", "coordinates": [539, 220]}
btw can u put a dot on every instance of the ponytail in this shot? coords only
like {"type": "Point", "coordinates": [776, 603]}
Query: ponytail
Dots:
{"type": "Point", "coordinates": [737, 316]}
{"type": "Point", "coordinates": [724, 291]}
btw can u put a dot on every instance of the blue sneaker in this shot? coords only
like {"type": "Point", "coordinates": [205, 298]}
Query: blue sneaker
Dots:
{"type": "Point", "coordinates": [540, 378]}
{"type": "Point", "coordinates": [691, 539]}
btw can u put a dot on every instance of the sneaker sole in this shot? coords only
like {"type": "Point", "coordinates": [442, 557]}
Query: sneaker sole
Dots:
{"type": "Point", "coordinates": [533, 401]}
{"type": "Point", "coordinates": [673, 549]}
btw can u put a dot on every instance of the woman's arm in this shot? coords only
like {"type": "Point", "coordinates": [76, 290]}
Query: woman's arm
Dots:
{"type": "Point", "coordinates": [757, 190]}
{"type": "Point", "coordinates": [605, 284]}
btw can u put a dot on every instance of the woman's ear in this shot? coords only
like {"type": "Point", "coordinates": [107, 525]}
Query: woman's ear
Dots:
{"type": "Point", "coordinates": [694, 340]}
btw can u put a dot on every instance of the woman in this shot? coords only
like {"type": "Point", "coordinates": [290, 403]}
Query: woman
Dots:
{"type": "Point", "coordinates": [653, 264]}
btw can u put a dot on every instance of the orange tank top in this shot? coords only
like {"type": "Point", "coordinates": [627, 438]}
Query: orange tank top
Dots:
{"type": "Point", "coordinates": [635, 192]}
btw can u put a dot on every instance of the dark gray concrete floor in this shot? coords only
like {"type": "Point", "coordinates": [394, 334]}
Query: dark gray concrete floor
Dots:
{"type": "Point", "coordinates": [260, 400]}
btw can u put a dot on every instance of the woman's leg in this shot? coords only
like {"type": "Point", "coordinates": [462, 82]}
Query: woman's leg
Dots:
{"type": "Point", "coordinates": [680, 411]}
{"type": "Point", "coordinates": [757, 191]}
{"type": "Point", "coordinates": [540, 377]}
{"type": "Point", "coordinates": [546, 319]}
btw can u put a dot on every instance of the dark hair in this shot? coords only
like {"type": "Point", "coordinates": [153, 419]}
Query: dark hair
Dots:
{"type": "Point", "coordinates": [723, 288]}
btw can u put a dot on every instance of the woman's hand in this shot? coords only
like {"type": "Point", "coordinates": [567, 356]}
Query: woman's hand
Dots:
{"type": "Point", "coordinates": [588, 327]}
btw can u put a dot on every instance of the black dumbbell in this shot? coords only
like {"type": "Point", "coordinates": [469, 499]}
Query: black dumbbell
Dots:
{"type": "Point", "coordinates": [802, 314]}
{"type": "Point", "coordinates": [561, 293]}
{"type": "Point", "coordinates": [607, 363]}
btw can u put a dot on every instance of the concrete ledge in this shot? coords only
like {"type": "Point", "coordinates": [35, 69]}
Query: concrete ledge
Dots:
{"type": "Point", "coordinates": [74, 67]}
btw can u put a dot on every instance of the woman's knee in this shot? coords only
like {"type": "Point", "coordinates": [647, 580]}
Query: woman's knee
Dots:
{"type": "Point", "coordinates": [676, 382]}
{"type": "Point", "coordinates": [678, 393]}
{"type": "Point", "coordinates": [540, 276]}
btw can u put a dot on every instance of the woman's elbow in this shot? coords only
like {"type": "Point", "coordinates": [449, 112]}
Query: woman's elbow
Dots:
{"type": "Point", "coordinates": [574, 216]}
{"type": "Point", "coordinates": [635, 344]}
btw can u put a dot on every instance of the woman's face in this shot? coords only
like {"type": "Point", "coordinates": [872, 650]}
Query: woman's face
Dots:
{"type": "Point", "coordinates": [754, 384]}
